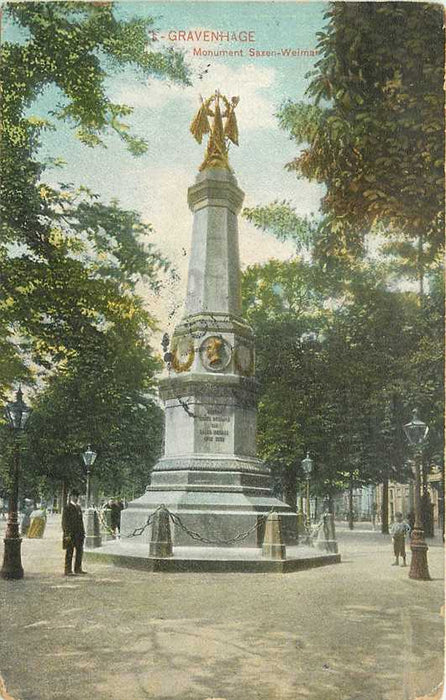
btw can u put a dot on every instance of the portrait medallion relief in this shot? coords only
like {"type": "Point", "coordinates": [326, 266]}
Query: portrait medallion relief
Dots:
{"type": "Point", "coordinates": [182, 353]}
{"type": "Point", "coordinates": [244, 359]}
{"type": "Point", "coordinates": [215, 353]}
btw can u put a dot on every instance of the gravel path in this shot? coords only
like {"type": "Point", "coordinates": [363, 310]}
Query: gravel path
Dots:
{"type": "Point", "coordinates": [359, 630]}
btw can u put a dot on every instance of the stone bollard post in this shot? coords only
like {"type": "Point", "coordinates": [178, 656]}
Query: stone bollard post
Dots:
{"type": "Point", "coordinates": [161, 538]}
{"type": "Point", "coordinates": [301, 525]}
{"type": "Point", "coordinates": [273, 546]}
{"type": "Point", "coordinates": [92, 531]}
{"type": "Point", "coordinates": [326, 538]}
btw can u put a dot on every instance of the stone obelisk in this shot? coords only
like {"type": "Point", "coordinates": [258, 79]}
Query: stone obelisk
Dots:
{"type": "Point", "coordinates": [210, 475]}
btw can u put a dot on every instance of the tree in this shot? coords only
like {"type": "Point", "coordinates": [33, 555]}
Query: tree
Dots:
{"type": "Point", "coordinates": [334, 371]}
{"type": "Point", "coordinates": [69, 263]}
{"type": "Point", "coordinates": [281, 219]}
{"type": "Point", "coordinates": [102, 397]}
{"type": "Point", "coordinates": [374, 130]}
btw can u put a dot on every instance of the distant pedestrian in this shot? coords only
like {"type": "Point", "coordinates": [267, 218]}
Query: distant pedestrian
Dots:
{"type": "Point", "coordinates": [399, 530]}
{"type": "Point", "coordinates": [411, 519]}
{"type": "Point", "coordinates": [26, 516]}
{"type": "Point", "coordinates": [73, 535]}
{"type": "Point", "coordinates": [374, 514]}
{"type": "Point", "coordinates": [115, 515]}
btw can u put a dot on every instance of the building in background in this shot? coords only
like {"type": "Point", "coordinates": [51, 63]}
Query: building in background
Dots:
{"type": "Point", "coordinates": [363, 500]}
{"type": "Point", "coordinates": [368, 499]}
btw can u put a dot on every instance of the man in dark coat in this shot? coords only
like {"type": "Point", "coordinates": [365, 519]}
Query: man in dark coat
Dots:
{"type": "Point", "coordinates": [115, 516]}
{"type": "Point", "coordinates": [73, 535]}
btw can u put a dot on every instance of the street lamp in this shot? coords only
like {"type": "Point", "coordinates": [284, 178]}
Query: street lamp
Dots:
{"type": "Point", "coordinates": [89, 458]}
{"type": "Point", "coordinates": [307, 466]}
{"type": "Point", "coordinates": [92, 534]}
{"type": "Point", "coordinates": [416, 432]}
{"type": "Point", "coordinates": [17, 413]}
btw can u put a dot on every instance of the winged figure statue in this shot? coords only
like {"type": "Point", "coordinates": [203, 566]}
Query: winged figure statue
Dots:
{"type": "Point", "coordinates": [216, 119]}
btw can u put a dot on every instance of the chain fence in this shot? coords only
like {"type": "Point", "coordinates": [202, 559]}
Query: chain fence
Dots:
{"type": "Point", "coordinates": [136, 532]}
{"type": "Point", "coordinates": [103, 521]}
{"type": "Point", "coordinates": [139, 530]}
{"type": "Point", "coordinates": [176, 520]}
{"type": "Point", "coordinates": [232, 540]}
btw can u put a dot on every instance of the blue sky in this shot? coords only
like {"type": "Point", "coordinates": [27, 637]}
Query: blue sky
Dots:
{"type": "Point", "coordinates": [156, 183]}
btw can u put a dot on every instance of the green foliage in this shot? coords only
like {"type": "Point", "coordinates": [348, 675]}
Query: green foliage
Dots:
{"type": "Point", "coordinates": [280, 218]}
{"type": "Point", "coordinates": [339, 370]}
{"type": "Point", "coordinates": [343, 353]}
{"type": "Point", "coordinates": [374, 134]}
{"type": "Point", "coordinates": [102, 399]}
{"type": "Point", "coordinates": [69, 263]}
{"type": "Point", "coordinates": [85, 285]}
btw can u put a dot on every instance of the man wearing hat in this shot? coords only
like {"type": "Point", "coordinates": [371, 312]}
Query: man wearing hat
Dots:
{"type": "Point", "coordinates": [73, 535]}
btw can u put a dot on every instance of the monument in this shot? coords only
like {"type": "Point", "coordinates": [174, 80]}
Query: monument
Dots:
{"type": "Point", "coordinates": [210, 475]}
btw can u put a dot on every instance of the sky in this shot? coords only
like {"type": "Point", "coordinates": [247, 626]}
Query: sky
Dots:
{"type": "Point", "coordinates": [156, 184]}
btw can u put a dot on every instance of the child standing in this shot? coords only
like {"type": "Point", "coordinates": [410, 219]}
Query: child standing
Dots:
{"type": "Point", "coordinates": [399, 530]}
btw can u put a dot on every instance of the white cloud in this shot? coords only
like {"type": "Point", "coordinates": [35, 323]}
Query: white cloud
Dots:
{"type": "Point", "coordinates": [257, 247]}
{"type": "Point", "coordinates": [252, 83]}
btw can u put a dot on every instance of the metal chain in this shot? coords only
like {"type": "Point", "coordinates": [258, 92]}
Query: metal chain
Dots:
{"type": "Point", "coordinates": [237, 538]}
{"type": "Point", "coordinates": [104, 522]}
{"type": "Point", "coordinates": [196, 535]}
{"type": "Point", "coordinates": [136, 532]}
{"type": "Point", "coordinates": [139, 530]}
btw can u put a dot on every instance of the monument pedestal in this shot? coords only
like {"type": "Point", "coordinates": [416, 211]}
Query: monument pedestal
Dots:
{"type": "Point", "coordinates": [217, 491]}
{"type": "Point", "coordinates": [210, 476]}
{"type": "Point", "coordinates": [210, 559]}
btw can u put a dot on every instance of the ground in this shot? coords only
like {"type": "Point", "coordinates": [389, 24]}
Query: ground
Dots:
{"type": "Point", "coordinates": [359, 630]}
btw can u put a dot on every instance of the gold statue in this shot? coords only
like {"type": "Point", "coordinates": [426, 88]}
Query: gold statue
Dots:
{"type": "Point", "coordinates": [219, 134]}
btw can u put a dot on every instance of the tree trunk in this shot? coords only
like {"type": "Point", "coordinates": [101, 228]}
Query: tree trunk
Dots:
{"type": "Point", "coordinates": [420, 268]}
{"type": "Point", "coordinates": [63, 496]}
{"type": "Point", "coordinates": [441, 504]}
{"type": "Point", "coordinates": [385, 508]}
{"type": "Point", "coordinates": [350, 503]}
{"type": "Point", "coordinates": [290, 486]}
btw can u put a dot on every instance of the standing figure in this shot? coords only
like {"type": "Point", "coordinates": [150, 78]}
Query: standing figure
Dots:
{"type": "Point", "coordinates": [399, 530]}
{"type": "Point", "coordinates": [411, 519]}
{"type": "Point", "coordinates": [115, 517]}
{"type": "Point", "coordinates": [374, 514]}
{"type": "Point", "coordinates": [73, 535]}
{"type": "Point", "coordinates": [26, 516]}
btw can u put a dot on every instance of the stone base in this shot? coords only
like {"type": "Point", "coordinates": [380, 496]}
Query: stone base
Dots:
{"type": "Point", "coordinates": [328, 546]}
{"type": "Point", "coordinates": [213, 499]}
{"type": "Point", "coordinates": [12, 563]}
{"type": "Point", "coordinates": [92, 533]}
{"type": "Point", "coordinates": [210, 559]}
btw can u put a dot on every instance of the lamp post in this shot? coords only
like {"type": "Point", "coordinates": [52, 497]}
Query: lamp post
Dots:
{"type": "Point", "coordinates": [416, 432]}
{"type": "Point", "coordinates": [89, 458]}
{"type": "Point", "coordinates": [92, 532]}
{"type": "Point", "coordinates": [17, 413]}
{"type": "Point", "coordinates": [307, 466]}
